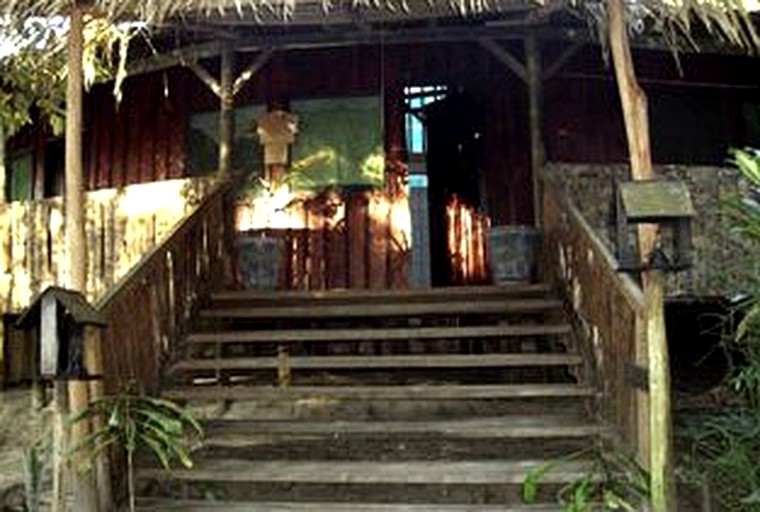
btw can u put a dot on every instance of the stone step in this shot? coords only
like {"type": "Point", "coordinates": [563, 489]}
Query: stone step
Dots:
{"type": "Point", "coordinates": [369, 472]}
{"type": "Point", "coordinates": [380, 334]}
{"type": "Point", "coordinates": [256, 297]}
{"type": "Point", "coordinates": [168, 505]}
{"type": "Point", "coordinates": [399, 392]}
{"type": "Point", "coordinates": [378, 362]}
{"type": "Point", "coordinates": [510, 426]}
{"type": "Point", "coordinates": [384, 310]}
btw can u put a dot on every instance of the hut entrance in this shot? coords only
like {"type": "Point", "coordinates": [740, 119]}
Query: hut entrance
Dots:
{"type": "Point", "coordinates": [452, 147]}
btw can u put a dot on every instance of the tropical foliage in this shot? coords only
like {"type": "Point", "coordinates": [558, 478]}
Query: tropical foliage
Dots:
{"type": "Point", "coordinates": [612, 481]}
{"type": "Point", "coordinates": [725, 446]}
{"type": "Point", "coordinates": [130, 422]}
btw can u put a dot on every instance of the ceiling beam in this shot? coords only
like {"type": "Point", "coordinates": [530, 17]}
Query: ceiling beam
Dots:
{"type": "Point", "coordinates": [320, 39]}
{"type": "Point", "coordinates": [260, 61]}
{"type": "Point", "coordinates": [506, 58]}
{"type": "Point", "coordinates": [560, 61]}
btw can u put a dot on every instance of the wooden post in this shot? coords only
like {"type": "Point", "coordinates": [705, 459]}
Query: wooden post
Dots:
{"type": "Point", "coordinates": [82, 477]}
{"type": "Point", "coordinates": [93, 355]}
{"type": "Point", "coordinates": [76, 258]}
{"type": "Point", "coordinates": [76, 251]}
{"type": "Point", "coordinates": [533, 72]}
{"type": "Point", "coordinates": [59, 406]}
{"type": "Point", "coordinates": [226, 112]}
{"type": "Point", "coordinates": [634, 104]}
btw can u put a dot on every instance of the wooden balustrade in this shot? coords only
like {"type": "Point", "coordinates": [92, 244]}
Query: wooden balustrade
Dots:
{"type": "Point", "coordinates": [609, 311]}
{"type": "Point", "coordinates": [150, 307]}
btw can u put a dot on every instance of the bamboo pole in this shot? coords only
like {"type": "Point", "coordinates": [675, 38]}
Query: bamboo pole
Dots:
{"type": "Point", "coordinates": [226, 112]}
{"type": "Point", "coordinates": [634, 104]}
{"type": "Point", "coordinates": [533, 68]}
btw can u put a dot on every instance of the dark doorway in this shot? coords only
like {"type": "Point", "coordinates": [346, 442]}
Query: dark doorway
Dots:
{"type": "Point", "coordinates": [454, 166]}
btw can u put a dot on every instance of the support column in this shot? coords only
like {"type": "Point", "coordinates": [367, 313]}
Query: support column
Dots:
{"type": "Point", "coordinates": [226, 112]}
{"type": "Point", "coordinates": [634, 104]}
{"type": "Point", "coordinates": [82, 483]}
{"type": "Point", "coordinates": [533, 72]}
{"type": "Point", "coordinates": [76, 251]}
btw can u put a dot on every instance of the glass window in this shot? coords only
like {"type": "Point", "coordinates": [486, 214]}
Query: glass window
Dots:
{"type": "Point", "coordinates": [20, 169]}
{"type": "Point", "coordinates": [415, 99]}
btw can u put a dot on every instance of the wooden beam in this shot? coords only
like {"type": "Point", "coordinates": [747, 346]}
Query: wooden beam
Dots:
{"type": "Point", "coordinates": [251, 70]}
{"type": "Point", "coordinates": [533, 63]}
{"type": "Point", "coordinates": [205, 77]}
{"type": "Point", "coordinates": [565, 56]}
{"type": "Point", "coordinates": [506, 58]}
{"type": "Point", "coordinates": [175, 58]}
{"type": "Point", "coordinates": [322, 39]}
{"type": "Point", "coordinates": [226, 111]}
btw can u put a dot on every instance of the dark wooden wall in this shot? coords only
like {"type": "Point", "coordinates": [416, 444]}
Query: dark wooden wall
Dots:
{"type": "Point", "coordinates": [582, 118]}
{"type": "Point", "coordinates": [143, 138]}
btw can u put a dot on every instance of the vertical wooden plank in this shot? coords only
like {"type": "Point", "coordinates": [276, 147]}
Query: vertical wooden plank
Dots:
{"type": "Point", "coordinates": [336, 248]}
{"type": "Point", "coordinates": [161, 136]}
{"type": "Point", "coordinates": [378, 243]}
{"type": "Point", "coordinates": [148, 123]}
{"type": "Point", "coordinates": [105, 115]}
{"type": "Point", "coordinates": [133, 112]}
{"type": "Point", "coordinates": [119, 146]}
{"type": "Point", "coordinates": [178, 110]}
{"type": "Point", "coordinates": [147, 120]}
{"type": "Point", "coordinates": [355, 217]}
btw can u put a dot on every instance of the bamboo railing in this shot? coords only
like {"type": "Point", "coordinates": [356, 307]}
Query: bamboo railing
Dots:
{"type": "Point", "coordinates": [609, 312]}
{"type": "Point", "coordinates": [149, 308]}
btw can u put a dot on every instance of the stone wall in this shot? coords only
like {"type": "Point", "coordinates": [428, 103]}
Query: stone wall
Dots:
{"type": "Point", "coordinates": [722, 261]}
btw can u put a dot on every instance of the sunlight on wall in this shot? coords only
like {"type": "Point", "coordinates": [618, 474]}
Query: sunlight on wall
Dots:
{"type": "Point", "coordinates": [121, 226]}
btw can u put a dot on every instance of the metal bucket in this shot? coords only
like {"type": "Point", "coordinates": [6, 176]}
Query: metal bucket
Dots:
{"type": "Point", "coordinates": [512, 252]}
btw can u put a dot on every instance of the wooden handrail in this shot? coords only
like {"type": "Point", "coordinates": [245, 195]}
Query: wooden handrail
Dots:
{"type": "Point", "coordinates": [610, 317]}
{"type": "Point", "coordinates": [150, 307]}
{"type": "Point", "coordinates": [629, 288]}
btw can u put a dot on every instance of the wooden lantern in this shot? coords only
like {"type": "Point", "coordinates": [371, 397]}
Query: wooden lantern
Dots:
{"type": "Point", "coordinates": [60, 317]}
{"type": "Point", "coordinates": [666, 204]}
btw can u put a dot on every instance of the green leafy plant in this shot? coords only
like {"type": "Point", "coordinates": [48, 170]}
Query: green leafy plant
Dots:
{"type": "Point", "coordinates": [724, 445]}
{"type": "Point", "coordinates": [131, 421]}
{"type": "Point", "coordinates": [611, 482]}
{"type": "Point", "coordinates": [724, 450]}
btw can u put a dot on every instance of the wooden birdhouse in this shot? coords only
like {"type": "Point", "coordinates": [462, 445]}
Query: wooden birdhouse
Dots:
{"type": "Point", "coordinates": [60, 317]}
{"type": "Point", "coordinates": [666, 204]}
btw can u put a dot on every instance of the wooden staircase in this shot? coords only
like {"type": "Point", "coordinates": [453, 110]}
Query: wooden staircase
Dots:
{"type": "Point", "coordinates": [377, 401]}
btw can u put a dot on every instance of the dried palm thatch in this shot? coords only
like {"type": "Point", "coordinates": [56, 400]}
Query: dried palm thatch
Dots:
{"type": "Point", "coordinates": [675, 20]}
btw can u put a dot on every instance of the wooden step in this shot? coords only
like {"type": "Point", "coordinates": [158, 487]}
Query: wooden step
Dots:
{"type": "Point", "coordinates": [369, 472]}
{"type": "Point", "coordinates": [400, 392]}
{"type": "Point", "coordinates": [169, 505]}
{"type": "Point", "coordinates": [354, 296]}
{"type": "Point", "coordinates": [384, 334]}
{"type": "Point", "coordinates": [508, 427]}
{"type": "Point", "coordinates": [450, 308]}
{"type": "Point", "coordinates": [381, 362]}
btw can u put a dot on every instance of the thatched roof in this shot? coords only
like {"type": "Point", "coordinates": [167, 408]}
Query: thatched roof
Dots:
{"type": "Point", "coordinates": [157, 11]}
{"type": "Point", "coordinates": [726, 20]}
